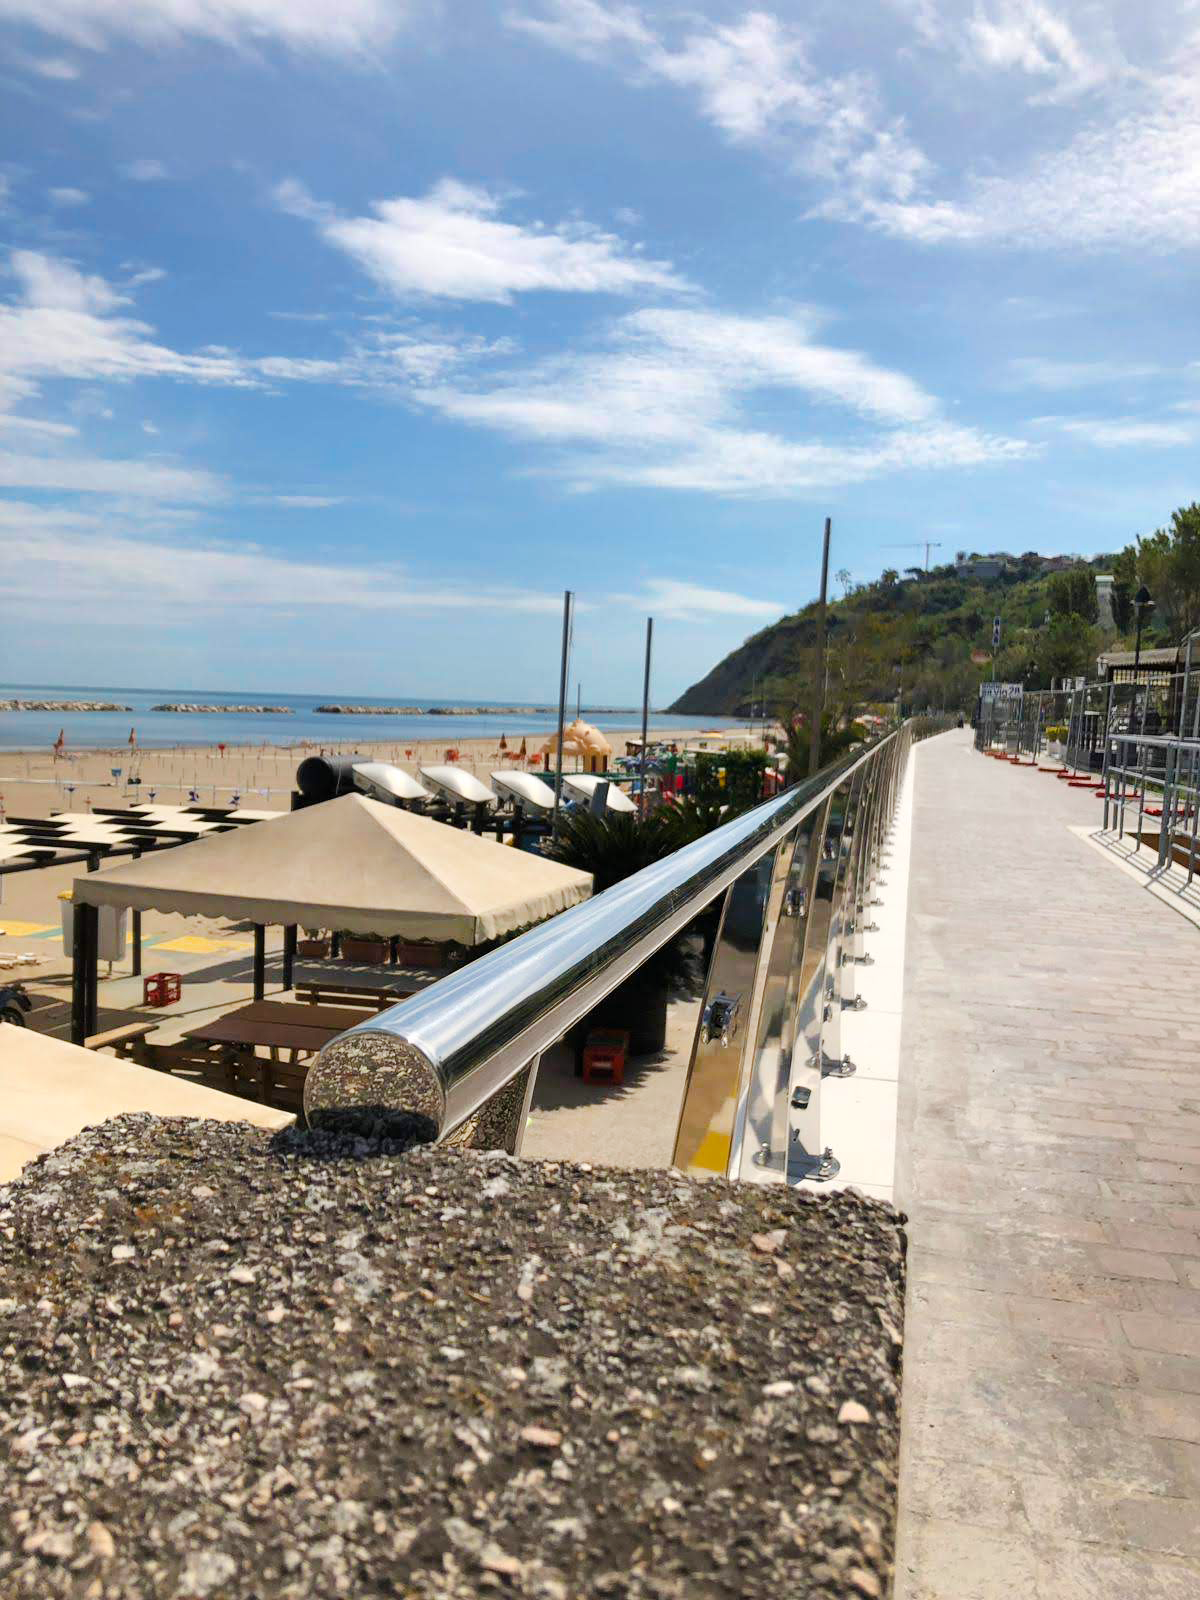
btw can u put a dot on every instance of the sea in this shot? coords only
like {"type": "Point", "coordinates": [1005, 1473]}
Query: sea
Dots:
{"type": "Point", "coordinates": [157, 730]}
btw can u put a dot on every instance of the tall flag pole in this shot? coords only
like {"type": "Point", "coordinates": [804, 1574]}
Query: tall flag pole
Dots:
{"type": "Point", "coordinates": [645, 714]}
{"type": "Point", "coordinates": [814, 745]}
{"type": "Point", "coordinates": [568, 597]}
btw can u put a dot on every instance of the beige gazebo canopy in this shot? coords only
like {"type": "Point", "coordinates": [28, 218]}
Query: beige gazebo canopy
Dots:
{"type": "Point", "coordinates": [350, 864]}
{"type": "Point", "coordinates": [50, 1091]}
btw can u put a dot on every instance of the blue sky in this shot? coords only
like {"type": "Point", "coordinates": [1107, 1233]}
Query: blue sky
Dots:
{"type": "Point", "coordinates": [337, 339]}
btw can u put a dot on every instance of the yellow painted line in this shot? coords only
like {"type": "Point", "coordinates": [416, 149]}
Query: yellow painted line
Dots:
{"type": "Point", "coordinates": [193, 944]}
{"type": "Point", "coordinates": [22, 930]}
{"type": "Point", "coordinates": [713, 1153]}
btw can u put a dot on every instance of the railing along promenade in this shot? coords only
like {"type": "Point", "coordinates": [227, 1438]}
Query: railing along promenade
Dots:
{"type": "Point", "coordinates": [1139, 738]}
{"type": "Point", "coordinates": [793, 880]}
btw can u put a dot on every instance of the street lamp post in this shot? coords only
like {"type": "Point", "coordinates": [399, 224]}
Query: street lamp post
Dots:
{"type": "Point", "coordinates": [1144, 603]}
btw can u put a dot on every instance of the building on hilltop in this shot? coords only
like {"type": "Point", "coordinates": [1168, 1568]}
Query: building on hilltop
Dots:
{"type": "Point", "coordinates": [990, 566]}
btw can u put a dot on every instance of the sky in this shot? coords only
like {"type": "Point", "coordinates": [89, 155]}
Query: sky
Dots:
{"type": "Point", "coordinates": [337, 340]}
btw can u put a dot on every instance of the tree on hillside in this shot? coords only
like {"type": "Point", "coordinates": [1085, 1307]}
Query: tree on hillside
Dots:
{"type": "Point", "coordinates": [1067, 648]}
{"type": "Point", "coordinates": [1125, 582]}
{"type": "Point", "coordinates": [843, 577]}
{"type": "Point", "coordinates": [1073, 593]}
{"type": "Point", "coordinates": [889, 577]}
{"type": "Point", "coordinates": [1168, 563]}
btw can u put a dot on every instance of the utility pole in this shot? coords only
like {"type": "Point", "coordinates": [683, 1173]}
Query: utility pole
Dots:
{"type": "Point", "coordinates": [562, 700]}
{"type": "Point", "coordinates": [931, 544]}
{"type": "Point", "coordinates": [645, 715]}
{"type": "Point", "coordinates": [814, 746]}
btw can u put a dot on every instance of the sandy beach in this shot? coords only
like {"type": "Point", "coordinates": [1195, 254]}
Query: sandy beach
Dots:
{"type": "Point", "coordinates": [262, 777]}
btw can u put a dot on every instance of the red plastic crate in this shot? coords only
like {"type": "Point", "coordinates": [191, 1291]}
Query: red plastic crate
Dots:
{"type": "Point", "coordinates": [161, 989]}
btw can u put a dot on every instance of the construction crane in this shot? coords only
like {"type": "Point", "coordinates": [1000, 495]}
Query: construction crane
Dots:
{"type": "Point", "coordinates": [930, 544]}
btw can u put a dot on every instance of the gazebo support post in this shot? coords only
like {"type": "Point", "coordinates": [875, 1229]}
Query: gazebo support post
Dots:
{"type": "Point", "coordinates": [289, 955]}
{"type": "Point", "coordinates": [260, 961]}
{"type": "Point", "coordinates": [136, 920]}
{"type": "Point", "coordinates": [84, 925]}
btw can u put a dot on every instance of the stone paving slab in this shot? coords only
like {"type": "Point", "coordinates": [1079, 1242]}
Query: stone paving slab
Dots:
{"type": "Point", "coordinates": [1049, 1161]}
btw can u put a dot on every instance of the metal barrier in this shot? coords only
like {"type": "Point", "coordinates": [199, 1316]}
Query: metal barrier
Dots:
{"type": "Point", "coordinates": [1138, 732]}
{"type": "Point", "coordinates": [794, 878]}
{"type": "Point", "coordinates": [1152, 702]}
{"type": "Point", "coordinates": [1161, 776]}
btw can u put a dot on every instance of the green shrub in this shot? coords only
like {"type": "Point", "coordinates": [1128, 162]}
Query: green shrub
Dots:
{"type": "Point", "coordinates": [742, 783]}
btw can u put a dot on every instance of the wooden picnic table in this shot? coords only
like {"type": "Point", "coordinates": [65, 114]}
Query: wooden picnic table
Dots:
{"type": "Point", "coordinates": [279, 1025]}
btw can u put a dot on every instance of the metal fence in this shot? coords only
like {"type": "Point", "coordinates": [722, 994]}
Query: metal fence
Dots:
{"type": "Point", "coordinates": [789, 885]}
{"type": "Point", "coordinates": [1152, 795]}
{"type": "Point", "coordinates": [1139, 736]}
{"type": "Point", "coordinates": [1076, 725]}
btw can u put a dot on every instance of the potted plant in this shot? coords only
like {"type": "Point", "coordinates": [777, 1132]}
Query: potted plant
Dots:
{"type": "Point", "coordinates": [420, 953]}
{"type": "Point", "coordinates": [314, 945]}
{"type": "Point", "coordinates": [370, 949]}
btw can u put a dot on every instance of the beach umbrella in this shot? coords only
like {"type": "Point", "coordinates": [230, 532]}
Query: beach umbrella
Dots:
{"type": "Point", "coordinates": [60, 741]}
{"type": "Point", "coordinates": [132, 740]}
{"type": "Point", "coordinates": [524, 750]}
{"type": "Point", "coordinates": [503, 742]}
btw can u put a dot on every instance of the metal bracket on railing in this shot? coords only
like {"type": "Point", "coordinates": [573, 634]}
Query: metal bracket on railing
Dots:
{"type": "Point", "coordinates": [857, 1004]}
{"type": "Point", "coordinates": [831, 1067]}
{"type": "Point", "coordinates": [814, 1169]}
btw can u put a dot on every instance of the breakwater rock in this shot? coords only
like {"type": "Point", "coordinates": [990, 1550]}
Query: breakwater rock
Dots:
{"type": "Point", "coordinates": [62, 705]}
{"type": "Point", "coordinates": [481, 711]}
{"type": "Point", "coordinates": [429, 711]}
{"type": "Point", "coordinates": [275, 711]}
{"type": "Point", "coordinates": [370, 711]}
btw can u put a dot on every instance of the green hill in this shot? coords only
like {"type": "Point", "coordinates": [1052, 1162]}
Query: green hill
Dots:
{"type": "Point", "coordinates": [914, 635]}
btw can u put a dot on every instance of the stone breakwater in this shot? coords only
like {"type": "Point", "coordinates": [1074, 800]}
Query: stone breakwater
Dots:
{"type": "Point", "coordinates": [428, 711]}
{"type": "Point", "coordinates": [248, 711]}
{"type": "Point", "coordinates": [239, 1365]}
{"type": "Point", "coordinates": [62, 705]}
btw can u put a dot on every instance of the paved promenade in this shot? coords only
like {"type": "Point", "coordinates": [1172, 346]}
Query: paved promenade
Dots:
{"type": "Point", "coordinates": [1049, 1160]}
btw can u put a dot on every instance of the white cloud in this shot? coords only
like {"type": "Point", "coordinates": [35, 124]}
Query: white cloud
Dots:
{"type": "Point", "coordinates": [667, 597]}
{"type": "Point", "coordinates": [1029, 37]}
{"type": "Point", "coordinates": [66, 324]}
{"type": "Point", "coordinates": [350, 26]}
{"type": "Point", "coordinates": [1130, 177]}
{"type": "Point", "coordinates": [1117, 433]}
{"type": "Point", "coordinates": [37, 425]}
{"type": "Point", "coordinates": [143, 171]}
{"type": "Point", "coordinates": [666, 402]}
{"type": "Point", "coordinates": [1041, 372]}
{"type": "Point", "coordinates": [121, 577]}
{"type": "Point", "coordinates": [139, 480]}
{"type": "Point", "coordinates": [453, 244]}
{"type": "Point", "coordinates": [754, 80]}
{"type": "Point", "coordinates": [309, 502]}
{"type": "Point", "coordinates": [70, 197]}
{"type": "Point", "coordinates": [57, 67]}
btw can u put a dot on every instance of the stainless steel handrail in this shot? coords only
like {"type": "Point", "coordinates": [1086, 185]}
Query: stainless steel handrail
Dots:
{"type": "Point", "coordinates": [439, 1056]}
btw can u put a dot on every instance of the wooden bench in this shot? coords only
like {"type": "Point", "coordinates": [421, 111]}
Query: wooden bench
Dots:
{"type": "Point", "coordinates": [253, 1077]}
{"type": "Point", "coordinates": [321, 993]}
{"type": "Point", "coordinates": [127, 1042]}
